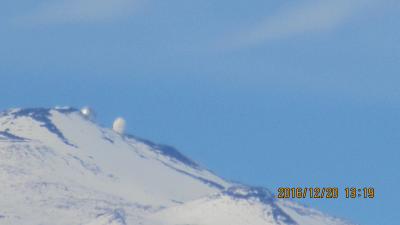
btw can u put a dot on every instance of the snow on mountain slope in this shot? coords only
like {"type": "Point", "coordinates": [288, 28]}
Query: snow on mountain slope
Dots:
{"type": "Point", "coordinates": [242, 205]}
{"type": "Point", "coordinates": [59, 167]}
{"type": "Point", "coordinates": [116, 217]}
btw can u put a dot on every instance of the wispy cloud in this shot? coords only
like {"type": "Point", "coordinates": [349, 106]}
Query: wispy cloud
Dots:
{"type": "Point", "coordinates": [79, 11]}
{"type": "Point", "coordinates": [304, 17]}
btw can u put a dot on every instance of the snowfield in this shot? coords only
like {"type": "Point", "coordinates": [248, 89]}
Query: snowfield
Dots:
{"type": "Point", "coordinates": [58, 167]}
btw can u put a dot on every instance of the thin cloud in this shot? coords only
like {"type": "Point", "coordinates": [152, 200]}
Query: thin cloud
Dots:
{"type": "Point", "coordinates": [80, 11]}
{"type": "Point", "coordinates": [309, 16]}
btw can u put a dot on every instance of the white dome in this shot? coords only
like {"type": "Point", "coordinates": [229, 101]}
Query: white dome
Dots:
{"type": "Point", "coordinates": [119, 125]}
{"type": "Point", "coordinates": [87, 112]}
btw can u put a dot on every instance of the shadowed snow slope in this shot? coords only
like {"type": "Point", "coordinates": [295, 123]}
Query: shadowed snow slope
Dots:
{"type": "Point", "coordinates": [58, 167]}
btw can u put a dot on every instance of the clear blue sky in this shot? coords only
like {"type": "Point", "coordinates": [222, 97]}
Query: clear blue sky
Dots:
{"type": "Point", "coordinates": [271, 93]}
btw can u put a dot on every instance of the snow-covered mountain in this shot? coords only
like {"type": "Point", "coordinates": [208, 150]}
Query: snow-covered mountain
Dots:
{"type": "Point", "coordinates": [58, 167]}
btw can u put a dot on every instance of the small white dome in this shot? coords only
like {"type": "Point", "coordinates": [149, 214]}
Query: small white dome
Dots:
{"type": "Point", "coordinates": [88, 112]}
{"type": "Point", "coordinates": [119, 125]}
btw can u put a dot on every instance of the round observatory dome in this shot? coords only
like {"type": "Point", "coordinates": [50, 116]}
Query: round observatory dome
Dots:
{"type": "Point", "coordinates": [119, 125]}
{"type": "Point", "coordinates": [87, 112]}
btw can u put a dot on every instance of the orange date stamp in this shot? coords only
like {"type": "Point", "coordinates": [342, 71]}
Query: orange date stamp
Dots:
{"type": "Point", "coordinates": [325, 192]}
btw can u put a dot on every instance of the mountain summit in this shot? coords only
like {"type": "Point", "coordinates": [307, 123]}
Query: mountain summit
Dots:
{"type": "Point", "coordinates": [58, 167]}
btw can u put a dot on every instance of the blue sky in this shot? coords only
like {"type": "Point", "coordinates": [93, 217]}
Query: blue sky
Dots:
{"type": "Point", "coordinates": [271, 93]}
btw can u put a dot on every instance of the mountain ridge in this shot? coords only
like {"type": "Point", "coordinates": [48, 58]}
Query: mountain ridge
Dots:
{"type": "Point", "coordinates": [70, 170]}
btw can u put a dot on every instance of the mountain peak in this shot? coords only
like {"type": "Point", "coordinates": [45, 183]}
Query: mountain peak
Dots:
{"type": "Point", "coordinates": [39, 111]}
{"type": "Point", "coordinates": [59, 160]}
{"type": "Point", "coordinates": [43, 116]}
